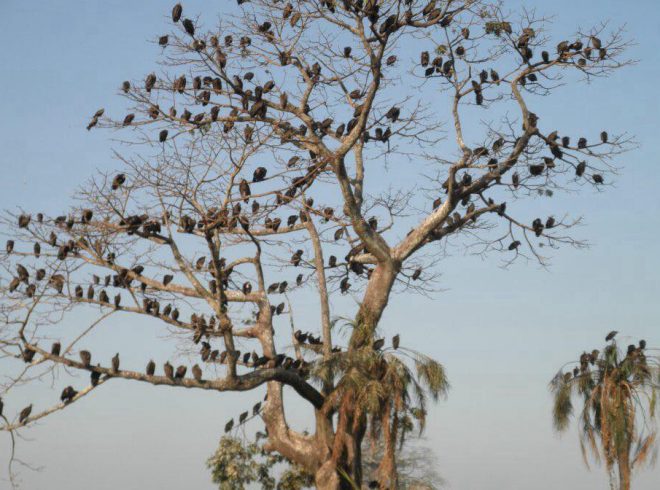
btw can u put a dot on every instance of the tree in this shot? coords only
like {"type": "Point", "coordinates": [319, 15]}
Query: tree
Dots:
{"type": "Point", "coordinates": [258, 150]}
{"type": "Point", "coordinates": [237, 463]}
{"type": "Point", "coordinates": [619, 395]}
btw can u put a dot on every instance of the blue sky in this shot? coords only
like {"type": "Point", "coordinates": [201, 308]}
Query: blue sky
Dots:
{"type": "Point", "coordinates": [500, 333]}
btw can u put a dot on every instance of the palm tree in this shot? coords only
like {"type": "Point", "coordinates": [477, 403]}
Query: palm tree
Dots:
{"type": "Point", "coordinates": [619, 391]}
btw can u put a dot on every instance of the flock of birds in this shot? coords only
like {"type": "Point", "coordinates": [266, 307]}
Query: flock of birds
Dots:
{"type": "Point", "coordinates": [256, 106]}
{"type": "Point", "coordinates": [633, 351]}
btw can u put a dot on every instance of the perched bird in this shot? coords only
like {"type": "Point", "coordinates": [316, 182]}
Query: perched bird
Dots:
{"type": "Point", "coordinates": [259, 174]}
{"type": "Point", "coordinates": [181, 372]}
{"type": "Point", "coordinates": [169, 370]}
{"type": "Point", "coordinates": [85, 357]}
{"type": "Point", "coordinates": [118, 181]}
{"type": "Point", "coordinates": [189, 26]}
{"type": "Point", "coordinates": [611, 335]}
{"type": "Point", "coordinates": [176, 12]}
{"type": "Point", "coordinates": [25, 413]}
{"type": "Point", "coordinates": [55, 348]}
{"type": "Point", "coordinates": [68, 394]}
{"type": "Point", "coordinates": [197, 372]}
{"type": "Point", "coordinates": [229, 425]}
{"type": "Point", "coordinates": [395, 341]}
{"type": "Point", "coordinates": [378, 344]}
{"type": "Point", "coordinates": [151, 368]}
{"type": "Point", "coordinates": [115, 362]}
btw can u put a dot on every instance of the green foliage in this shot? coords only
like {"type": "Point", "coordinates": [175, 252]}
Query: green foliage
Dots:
{"type": "Point", "coordinates": [237, 464]}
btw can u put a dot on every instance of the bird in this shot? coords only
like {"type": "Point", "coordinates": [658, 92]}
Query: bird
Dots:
{"type": "Point", "coordinates": [118, 181]}
{"type": "Point", "coordinates": [244, 189]}
{"type": "Point", "coordinates": [85, 357]}
{"type": "Point", "coordinates": [25, 413]}
{"type": "Point", "coordinates": [189, 26]}
{"type": "Point", "coordinates": [162, 136]}
{"type": "Point", "coordinates": [151, 368]}
{"type": "Point", "coordinates": [395, 341]}
{"type": "Point", "coordinates": [378, 344]}
{"type": "Point", "coordinates": [197, 372]}
{"type": "Point", "coordinates": [611, 335]}
{"type": "Point", "coordinates": [181, 372]}
{"type": "Point", "coordinates": [417, 273]}
{"type": "Point", "coordinates": [229, 425]}
{"type": "Point", "coordinates": [115, 362]}
{"type": "Point", "coordinates": [176, 12]}
{"type": "Point", "coordinates": [94, 378]}
{"type": "Point", "coordinates": [150, 82]}
{"type": "Point", "coordinates": [55, 348]}
{"type": "Point", "coordinates": [68, 394]}
{"type": "Point", "coordinates": [169, 370]}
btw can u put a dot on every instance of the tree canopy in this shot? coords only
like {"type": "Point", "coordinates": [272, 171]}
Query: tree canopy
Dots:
{"type": "Point", "coordinates": [259, 172]}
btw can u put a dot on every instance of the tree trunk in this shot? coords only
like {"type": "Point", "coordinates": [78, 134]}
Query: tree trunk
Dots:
{"type": "Point", "coordinates": [374, 302]}
{"type": "Point", "coordinates": [624, 470]}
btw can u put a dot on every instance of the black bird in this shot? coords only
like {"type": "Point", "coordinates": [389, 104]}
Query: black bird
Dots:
{"type": "Point", "coordinates": [417, 273]}
{"type": "Point", "coordinates": [151, 368]}
{"type": "Point", "coordinates": [229, 425]}
{"type": "Point", "coordinates": [378, 344]}
{"type": "Point", "coordinates": [10, 246]}
{"type": "Point", "coordinates": [395, 341]}
{"type": "Point", "coordinates": [118, 181]}
{"type": "Point", "coordinates": [611, 335]}
{"type": "Point", "coordinates": [242, 417]}
{"type": "Point", "coordinates": [94, 378]}
{"type": "Point", "coordinates": [167, 278]}
{"type": "Point", "coordinates": [162, 40]}
{"type": "Point", "coordinates": [189, 26]}
{"type": "Point", "coordinates": [55, 348]}
{"type": "Point", "coordinates": [642, 344]}
{"type": "Point", "coordinates": [162, 136]}
{"type": "Point", "coordinates": [25, 413]}
{"type": "Point", "coordinates": [176, 12]}
{"type": "Point", "coordinates": [68, 394]}
{"type": "Point", "coordinates": [115, 362]}
{"type": "Point", "coordinates": [181, 372]}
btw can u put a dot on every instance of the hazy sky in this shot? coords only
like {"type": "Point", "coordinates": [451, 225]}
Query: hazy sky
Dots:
{"type": "Point", "coordinates": [501, 334]}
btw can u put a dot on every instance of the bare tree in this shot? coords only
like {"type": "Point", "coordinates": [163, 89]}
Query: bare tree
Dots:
{"type": "Point", "coordinates": [255, 175]}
